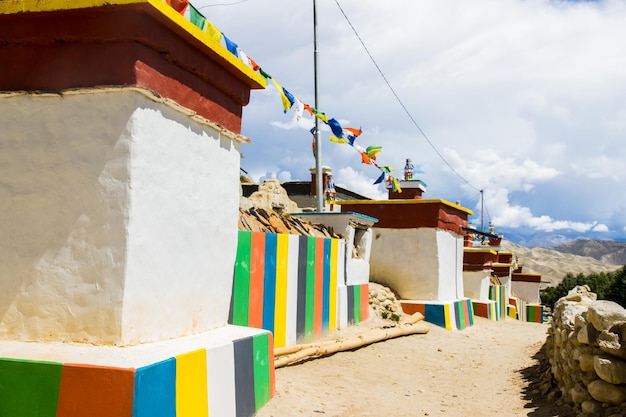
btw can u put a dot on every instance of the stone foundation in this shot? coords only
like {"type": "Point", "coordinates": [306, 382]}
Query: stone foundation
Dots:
{"type": "Point", "coordinates": [586, 347]}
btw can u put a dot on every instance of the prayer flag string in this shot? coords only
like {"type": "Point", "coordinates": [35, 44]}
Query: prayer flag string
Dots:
{"type": "Point", "coordinates": [340, 134]}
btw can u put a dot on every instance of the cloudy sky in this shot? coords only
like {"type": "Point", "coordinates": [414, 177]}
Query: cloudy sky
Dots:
{"type": "Point", "coordinates": [524, 99]}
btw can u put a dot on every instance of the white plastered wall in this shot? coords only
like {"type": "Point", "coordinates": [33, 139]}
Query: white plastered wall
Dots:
{"type": "Point", "coordinates": [527, 291]}
{"type": "Point", "coordinates": [419, 264]}
{"type": "Point", "coordinates": [476, 284]}
{"type": "Point", "coordinates": [118, 219]}
{"type": "Point", "coordinates": [357, 269]}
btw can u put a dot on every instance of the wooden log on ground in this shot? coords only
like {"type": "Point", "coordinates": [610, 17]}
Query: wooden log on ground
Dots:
{"type": "Point", "coordinates": [328, 348]}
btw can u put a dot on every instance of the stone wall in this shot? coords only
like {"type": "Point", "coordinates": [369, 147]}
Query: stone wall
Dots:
{"type": "Point", "coordinates": [586, 347]}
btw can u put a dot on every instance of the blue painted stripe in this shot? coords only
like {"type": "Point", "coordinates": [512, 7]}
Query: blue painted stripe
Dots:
{"type": "Point", "coordinates": [269, 282]}
{"type": "Point", "coordinates": [434, 313]}
{"type": "Point", "coordinates": [155, 390]}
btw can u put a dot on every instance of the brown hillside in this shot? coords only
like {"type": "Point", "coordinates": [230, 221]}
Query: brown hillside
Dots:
{"type": "Point", "coordinates": [553, 265]}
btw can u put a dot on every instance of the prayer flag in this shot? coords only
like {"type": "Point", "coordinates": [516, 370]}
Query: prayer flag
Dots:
{"type": "Point", "coordinates": [355, 132]}
{"type": "Point", "coordinates": [372, 151]}
{"type": "Point", "coordinates": [255, 66]}
{"type": "Point", "coordinates": [243, 57]}
{"type": "Point", "coordinates": [352, 134]}
{"type": "Point", "coordinates": [213, 32]}
{"type": "Point", "coordinates": [380, 179]}
{"type": "Point", "coordinates": [308, 108]}
{"type": "Point", "coordinates": [299, 109]}
{"type": "Point", "coordinates": [335, 127]}
{"type": "Point", "coordinates": [396, 185]}
{"type": "Point", "coordinates": [196, 17]}
{"type": "Point", "coordinates": [286, 102]}
{"type": "Point", "coordinates": [321, 116]}
{"type": "Point", "coordinates": [335, 139]}
{"type": "Point", "coordinates": [179, 5]}
{"type": "Point", "coordinates": [290, 97]}
{"type": "Point", "coordinates": [230, 45]}
{"type": "Point", "coordinates": [265, 74]}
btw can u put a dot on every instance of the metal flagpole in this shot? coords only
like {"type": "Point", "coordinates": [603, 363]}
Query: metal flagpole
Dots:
{"type": "Point", "coordinates": [319, 175]}
{"type": "Point", "coordinates": [482, 210]}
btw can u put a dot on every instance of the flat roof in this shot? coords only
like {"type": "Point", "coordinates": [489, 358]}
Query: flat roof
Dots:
{"type": "Point", "coordinates": [25, 6]}
{"type": "Point", "coordinates": [407, 201]}
{"type": "Point", "coordinates": [485, 250]}
{"type": "Point", "coordinates": [336, 214]}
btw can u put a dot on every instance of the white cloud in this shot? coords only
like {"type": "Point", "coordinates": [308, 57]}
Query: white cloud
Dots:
{"type": "Point", "coordinates": [600, 167]}
{"type": "Point", "coordinates": [524, 98]}
{"type": "Point", "coordinates": [601, 228]}
{"type": "Point", "coordinates": [359, 182]}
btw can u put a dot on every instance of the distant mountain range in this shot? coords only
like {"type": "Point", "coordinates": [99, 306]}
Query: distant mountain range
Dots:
{"type": "Point", "coordinates": [532, 239]}
{"type": "Point", "coordinates": [608, 251]}
{"type": "Point", "coordinates": [554, 264]}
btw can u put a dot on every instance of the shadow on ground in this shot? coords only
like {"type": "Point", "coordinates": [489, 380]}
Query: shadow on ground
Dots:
{"type": "Point", "coordinates": [543, 396]}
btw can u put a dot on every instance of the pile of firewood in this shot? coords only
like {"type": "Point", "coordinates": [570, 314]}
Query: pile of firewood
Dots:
{"type": "Point", "coordinates": [260, 220]}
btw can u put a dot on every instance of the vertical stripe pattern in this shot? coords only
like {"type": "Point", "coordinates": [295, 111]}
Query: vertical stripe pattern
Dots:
{"type": "Point", "coordinates": [332, 288]}
{"type": "Point", "coordinates": [191, 384]}
{"type": "Point", "coordinates": [269, 281]}
{"type": "Point", "coordinates": [257, 281]}
{"type": "Point", "coordinates": [326, 285]}
{"type": "Point", "coordinates": [280, 304]}
{"type": "Point", "coordinates": [451, 315]}
{"type": "Point", "coordinates": [498, 293]}
{"type": "Point", "coordinates": [234, 379]}
{"type": "Point", "coordinates": [289, 285]}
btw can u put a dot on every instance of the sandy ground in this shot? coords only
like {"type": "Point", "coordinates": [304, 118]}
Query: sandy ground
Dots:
{"type": "Point", "coordinates": [490, 369]}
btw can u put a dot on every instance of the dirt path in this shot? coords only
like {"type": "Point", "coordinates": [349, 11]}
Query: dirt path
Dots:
{"type": "Point", "coordinates": [480, 371]}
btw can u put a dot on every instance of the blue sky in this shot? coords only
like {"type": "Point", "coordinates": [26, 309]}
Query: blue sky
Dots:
{"type": "Point", "coordinates": [524, 99]}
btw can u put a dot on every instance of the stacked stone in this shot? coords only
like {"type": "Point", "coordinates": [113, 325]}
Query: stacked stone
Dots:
{"type": "Point", "coordinates": [384, 302]}
{"type": "Point", "coordinates": [586, 347]}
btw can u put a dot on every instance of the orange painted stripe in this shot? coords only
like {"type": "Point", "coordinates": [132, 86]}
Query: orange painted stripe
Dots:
{"type": "Point", "coordinates": [96, 391]}
{"type": "Point", "coordinates": [365, 301]}
{"type": "Point", "coordinates": [319, 285]}
{"type": "Point", "coordinates": [412, 308]}
{"type": "Point", "coordinates": [257, 275]}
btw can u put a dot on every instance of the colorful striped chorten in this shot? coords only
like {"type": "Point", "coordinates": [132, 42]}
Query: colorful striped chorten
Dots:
{"type": "Point", "coordinates": [120, 169]}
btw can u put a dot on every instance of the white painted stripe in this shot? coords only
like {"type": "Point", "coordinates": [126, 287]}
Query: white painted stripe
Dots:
{"type": "Point", "coordinates": [292, 290]}
{"type": "Point", "coordinates": [342, 307]}
{"type": "Point", "coordinates": [221, 381]}
{"type": "Point", "coordinates": [341, 263]}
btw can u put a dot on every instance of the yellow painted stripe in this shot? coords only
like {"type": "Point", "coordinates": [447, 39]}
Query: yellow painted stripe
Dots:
{"type": "Point", "coordinates": [21, 6]}
{"type": "Point", "coordinates": [18, 6]}
{"type": "Point", "coordinates": [332, 311]}
{"type": "Point", "coordinates": [446, 315]}
{"type": "Point", "coordinates": [280, 306]}
{"type": "Point", "coordinates": [192, 398]}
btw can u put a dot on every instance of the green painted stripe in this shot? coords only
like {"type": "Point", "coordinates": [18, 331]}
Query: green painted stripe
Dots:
{"type": "Point", "coordinates": [29, 388]}
{"type": "Point", "coordinates": [461, 312]}
{"type": "Point", "coordinates": [241, 285]}
{"type": "Point", "coordinates": [260, 351]}
{"type": "Point", "coordinates": [357, 303]}
{"type": "Point", "coordinates": [310, 288]}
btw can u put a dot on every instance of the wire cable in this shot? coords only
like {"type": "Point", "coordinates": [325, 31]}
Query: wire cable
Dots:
{"type": "Point", "coordinates": [222, 4]}
{"type": "Point", "coordinates": [406, 110]}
